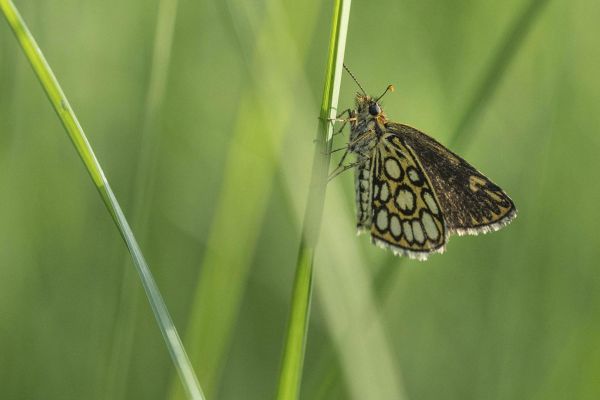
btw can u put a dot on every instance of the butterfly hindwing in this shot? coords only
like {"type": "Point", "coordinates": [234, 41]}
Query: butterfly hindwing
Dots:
{"type": "Point", "coordinates": [405, 213]}
{"type": "Point", "coordinates": [470, 202]}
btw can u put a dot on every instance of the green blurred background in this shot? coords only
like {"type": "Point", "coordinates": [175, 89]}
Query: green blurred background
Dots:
{"type": "Point", "coordinates": [204, 125]}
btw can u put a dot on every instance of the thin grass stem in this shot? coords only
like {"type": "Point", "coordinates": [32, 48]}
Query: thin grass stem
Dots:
{"type": "Point", "coordinates": [293, 356]}
{"type": "Point", "coordinates": [79, 140]}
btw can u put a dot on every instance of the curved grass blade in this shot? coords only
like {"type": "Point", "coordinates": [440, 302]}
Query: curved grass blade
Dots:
{"type": "Point", "coordinates": [79, 140]}
{"type": "Point", "coordinates": [293, 356]}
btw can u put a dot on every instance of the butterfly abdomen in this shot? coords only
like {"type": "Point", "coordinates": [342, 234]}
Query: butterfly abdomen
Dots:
{"type": "Point", "coordinates": [364, 193]}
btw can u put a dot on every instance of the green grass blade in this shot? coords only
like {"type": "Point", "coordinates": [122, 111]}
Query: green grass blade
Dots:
{"type": "Point", "coordinates": [493, 75]}
{"type": "Point", "coordinates": [293, 356]}
{"type": "Point", "coordinates": [262, 123]}
{"type": "Point", "coordinates": [122, 341]}
{"type": "Point", "coordinates": [79, 140]}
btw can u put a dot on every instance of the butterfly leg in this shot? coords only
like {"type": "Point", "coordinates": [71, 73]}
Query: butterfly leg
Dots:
{"type": "Point", "coordinates": [336, 150]}
{"type": "Point", "coordinates": [340, 115]}
{"type": "Point", "coordinates": [340, 165]}
{"type": "Point", "coordinates": [340, 169]}
{"type": "Point", "coordinates": [344, 121]}
{"type": "Point", "coordinates": [341, 128]}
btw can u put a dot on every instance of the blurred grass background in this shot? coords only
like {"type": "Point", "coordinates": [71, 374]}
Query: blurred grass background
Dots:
{"type": "Point", "coordinates": [214, 175]}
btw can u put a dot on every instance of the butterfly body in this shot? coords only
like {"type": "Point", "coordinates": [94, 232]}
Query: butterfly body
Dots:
{"type": "Point", "coordinates": [412, 193]}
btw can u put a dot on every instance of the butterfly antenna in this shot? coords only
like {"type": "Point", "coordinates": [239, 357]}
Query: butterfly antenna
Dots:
{"type": "Point", "coordinates": [390, 88]}
{"type": "Point", "coordinates": [354, 79]}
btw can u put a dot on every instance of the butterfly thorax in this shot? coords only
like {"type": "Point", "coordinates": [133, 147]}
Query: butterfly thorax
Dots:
{"type": "Point", "coordinates": [367, 125]}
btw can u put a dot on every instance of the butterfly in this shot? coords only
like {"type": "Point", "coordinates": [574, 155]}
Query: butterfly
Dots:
{"type": "Point", "coordinates": [412, 193]}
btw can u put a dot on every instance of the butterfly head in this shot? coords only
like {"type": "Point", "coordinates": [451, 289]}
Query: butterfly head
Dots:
{"type": "Point", "coordinates": [369, 108]}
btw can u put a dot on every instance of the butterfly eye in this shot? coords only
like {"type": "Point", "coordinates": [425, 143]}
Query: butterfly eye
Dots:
{"type": "Point", "coordinates": [374, 109]}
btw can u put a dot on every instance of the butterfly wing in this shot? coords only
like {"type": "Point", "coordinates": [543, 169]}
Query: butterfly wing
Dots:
{"type": "Point", "coordinates": [405, 215]}
{"type": "Point", "coordinates": [470, 202]}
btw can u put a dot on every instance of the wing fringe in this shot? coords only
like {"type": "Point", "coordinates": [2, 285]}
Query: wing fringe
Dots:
{"type": "Point", "coordinates": [493, 227]}
{"type": "Point", "coordinates": [414, 255]}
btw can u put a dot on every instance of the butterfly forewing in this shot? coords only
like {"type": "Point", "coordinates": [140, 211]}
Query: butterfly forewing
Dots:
{"type": "Point", "coordinates": [405, 213]}
{"type": "Point", "coordinates": [471, 203]}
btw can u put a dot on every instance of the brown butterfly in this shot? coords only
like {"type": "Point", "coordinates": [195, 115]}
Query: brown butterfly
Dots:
{"type": "Point", "coordinates": [412, 193]}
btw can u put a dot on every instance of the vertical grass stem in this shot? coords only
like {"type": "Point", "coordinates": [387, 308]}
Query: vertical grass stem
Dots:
{"type": "Point", "coordinates": [293, 355]}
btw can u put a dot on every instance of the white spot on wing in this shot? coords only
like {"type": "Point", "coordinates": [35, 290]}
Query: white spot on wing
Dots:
{"type": "Point", "coordinates": [408, 233]}
{"type": "Point", "coordinates": [385, 192]}
{"type": "Point", "coordinates": [395, 226]}
{"type": "Point", "coordinates": [382, 219]}
{"type": "Point", "coordinates": [418, 232]}
{"type": "Point", "coordinates": [392, 168]}
{"type": "Point", "coordinates": [430, 203]}
{"type": "Point", "coordinates": [413, 175]}
{"type": "Point", "coordinates": [405, 200]}
{"type": "Point", "coordinates": [430, 226]}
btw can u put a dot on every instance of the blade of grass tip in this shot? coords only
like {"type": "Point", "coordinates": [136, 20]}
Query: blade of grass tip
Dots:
{"type": "Point", "coordinates": [293, 354]}
{"type": "Point", "coordinates": [117, 371]}
{"type": "Point", "coordinates": [498, 66]}
{"type": "Point", "coordinates": [79, 140]}
{"type": "Point", "coordinates": [492, 76]}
